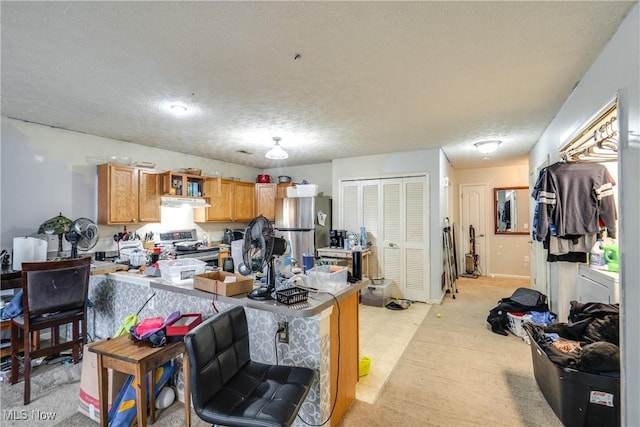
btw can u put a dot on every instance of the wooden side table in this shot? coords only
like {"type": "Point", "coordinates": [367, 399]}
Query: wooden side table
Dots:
{"type": "Point", "coordinates": [122, 354]}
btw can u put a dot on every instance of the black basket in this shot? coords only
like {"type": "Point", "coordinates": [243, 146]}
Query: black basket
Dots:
{"type": "Point", "coordinates": [292, 295]}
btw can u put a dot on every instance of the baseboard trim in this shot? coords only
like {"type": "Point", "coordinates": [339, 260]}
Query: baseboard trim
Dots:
{"type": "Point", "coordinates": [510, 276]}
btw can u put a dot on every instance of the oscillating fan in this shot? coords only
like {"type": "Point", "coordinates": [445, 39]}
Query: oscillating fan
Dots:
{"type": "Point", "coordinates": [259, 250]}
{"type": "Point", "coordinates": [83, 234]}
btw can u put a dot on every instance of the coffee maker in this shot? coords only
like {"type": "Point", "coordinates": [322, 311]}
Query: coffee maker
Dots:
{"type": "Point", "coordinates": [336, 238]}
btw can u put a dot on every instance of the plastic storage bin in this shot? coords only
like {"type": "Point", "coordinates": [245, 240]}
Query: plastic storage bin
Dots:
{"type": "Point", "coordinates": [181, 271]}
{"type": "Point", "coordinates": [515, 325]}
{"type": "Point", "coordinates": [377, 295]}
{"type": "Point", "coordinates": [578, 398]}
{"type": "Point", "coordinates": [327, 277]}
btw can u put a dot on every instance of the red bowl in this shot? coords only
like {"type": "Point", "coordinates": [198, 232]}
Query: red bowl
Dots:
{"type": "Point", "coordinates": [264, 179]}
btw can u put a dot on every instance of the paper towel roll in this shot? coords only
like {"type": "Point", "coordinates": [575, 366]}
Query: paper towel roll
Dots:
{"type": "Point", "coordinates": [28, 249]}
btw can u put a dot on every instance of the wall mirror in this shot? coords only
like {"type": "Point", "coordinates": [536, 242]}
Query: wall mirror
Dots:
{"type": "Point", "coordinates": [511, 210]}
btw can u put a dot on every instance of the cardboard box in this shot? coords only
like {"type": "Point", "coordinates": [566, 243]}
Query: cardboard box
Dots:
{"type": "Point", "coordinates": [89, 401]}
{"type": "Point", "coordinates": [217, 282]}
{"type": "Point", "coordinates": [184, 324]}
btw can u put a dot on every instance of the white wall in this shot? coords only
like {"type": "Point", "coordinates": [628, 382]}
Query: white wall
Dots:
{"type": "Point", "coordinates": [46, 171]}
{"type": "Point", "coordinates": [617, 68]}
{"type": "Point", "coordinates": [505, 253]}
{"type": "Point", "coordinates": [399, 164]}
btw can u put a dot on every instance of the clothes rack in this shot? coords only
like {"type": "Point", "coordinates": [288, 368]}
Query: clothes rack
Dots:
{"type": "Point", "coordinates": [597, 143]}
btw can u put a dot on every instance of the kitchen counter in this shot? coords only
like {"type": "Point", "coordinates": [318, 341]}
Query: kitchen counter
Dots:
{"type": "Point", "coordinates": [323, 335]}
{"type": "Point", "coordinates": [11, 279]}
{"type": "Point", "coordinates": [315, 304]}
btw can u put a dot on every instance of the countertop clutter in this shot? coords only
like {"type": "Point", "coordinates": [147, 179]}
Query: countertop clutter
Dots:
{"type": "Point", "coordinates": [316, 302]}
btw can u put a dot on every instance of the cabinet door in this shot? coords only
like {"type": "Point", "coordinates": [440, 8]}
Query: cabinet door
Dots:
{"type": "Point", "coordinates": [244, 201]}
{"type": "Point", "coordinates": [149, 183]}
{"type": "Point", "coordinates": [117, 194]}
{"type": "Point", "coordinates": [266, 200]}
{"type": "Point", "coordinates": [282, 189]}
{"type": "Point", "coordinates": [221, 200]}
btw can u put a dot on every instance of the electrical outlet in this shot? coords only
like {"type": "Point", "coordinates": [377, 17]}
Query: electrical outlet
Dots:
{"type": "Point", "coordinates": [283, 332]}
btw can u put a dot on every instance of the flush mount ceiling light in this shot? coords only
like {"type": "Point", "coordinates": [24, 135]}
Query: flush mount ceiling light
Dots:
{"type": "Point", "coordinates": [178, 108]}
{"type": "Point", "coordinates": [276, 153]}
{"type": "Point", "coordinates": [486, 147]}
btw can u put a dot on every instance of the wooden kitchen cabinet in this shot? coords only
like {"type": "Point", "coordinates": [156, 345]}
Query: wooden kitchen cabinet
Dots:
{"type": "Point", "coordinates": [128, 195]}
{"type": "Point", "coordinates": [183, 185]}
{"type": "Point", "coordinates": [266, 195]}
{"type": "Point", "coordinates": [230, 201]}
{"type": "Point", "coordinates": [282, 189]}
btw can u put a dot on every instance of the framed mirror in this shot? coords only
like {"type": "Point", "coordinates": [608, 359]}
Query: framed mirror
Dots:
{"type": "Point", "coordinates": [511, 210]}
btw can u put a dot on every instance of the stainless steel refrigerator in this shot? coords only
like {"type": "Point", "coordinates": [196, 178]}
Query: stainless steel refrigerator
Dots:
{"type": "Point", "coordinates": [305, 223]}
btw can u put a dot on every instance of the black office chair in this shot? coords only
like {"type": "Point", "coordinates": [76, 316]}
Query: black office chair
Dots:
{"type": "Point", "coordinates": [230, 389]}
{"type": "Point", "coordinates": [54, 294]}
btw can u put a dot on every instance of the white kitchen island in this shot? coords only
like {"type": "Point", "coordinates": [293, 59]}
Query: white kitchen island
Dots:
{"type": "Point", "coordinates": [322, 335]}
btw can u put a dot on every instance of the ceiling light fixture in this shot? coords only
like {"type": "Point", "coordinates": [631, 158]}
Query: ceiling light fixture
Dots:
{"type": "Point", "coordinates": [276, 153]}
{"type": "Point", "coordinates": [486, 147]}
{"type": "Point", "coordinates": [178, 108]}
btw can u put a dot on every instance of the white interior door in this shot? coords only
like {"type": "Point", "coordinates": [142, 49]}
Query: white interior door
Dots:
{"type": "Point", "coordinates": [394, 212]}
{"type": "Point", "coordinates": [416, 265]}
{"type": "Point", "coordinates": [391, 247]}
{"type": "Point", "coordinates": [351, 206]}
{"type": "Point", "coordinates": [473, 212]}
{"type": "Point", "coordinates": [371, 221]}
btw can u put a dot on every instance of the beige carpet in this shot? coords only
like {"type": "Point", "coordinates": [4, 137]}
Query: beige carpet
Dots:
{"type": "Point", "coordinates": [456, 372]}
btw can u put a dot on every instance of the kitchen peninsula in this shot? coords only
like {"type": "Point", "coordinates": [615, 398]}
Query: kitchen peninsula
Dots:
{"type": "Point", "coordinates": [323, 334]}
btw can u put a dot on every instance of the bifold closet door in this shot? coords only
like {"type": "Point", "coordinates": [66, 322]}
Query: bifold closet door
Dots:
{"type": "Point", "coordinates": [395, 214]}
{"type": "Point", "coordinates": [404, 235]}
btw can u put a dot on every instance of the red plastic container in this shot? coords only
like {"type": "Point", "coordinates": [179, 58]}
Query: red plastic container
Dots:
{"type": "Point", "coordinates": [264, 179]}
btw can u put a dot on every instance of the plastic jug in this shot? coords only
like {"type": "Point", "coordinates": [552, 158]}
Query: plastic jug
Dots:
{"type": "Point", "coordinates": [612, 255]}
{"type": "Point", "coordinates": [596, 257]}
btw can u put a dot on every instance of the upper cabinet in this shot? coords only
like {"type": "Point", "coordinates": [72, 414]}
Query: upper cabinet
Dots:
{"type": "Point", "coordinates": [282, 189]}
{"type": "Point", "coordinates": [183, 185]}
{"type": "Point", "coordinates": [266, 195]}
{"type": "Point", "coordinates": [128, 195]}
{"type": "Point", "coordinates": [230, 201]}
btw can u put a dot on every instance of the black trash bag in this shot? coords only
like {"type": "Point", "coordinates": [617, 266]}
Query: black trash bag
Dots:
{"type": "Point", "coordinates": [522, 300]}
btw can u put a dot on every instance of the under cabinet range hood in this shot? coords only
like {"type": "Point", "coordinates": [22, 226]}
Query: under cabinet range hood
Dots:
{"type": "Point", "coordinates": [178, 202]}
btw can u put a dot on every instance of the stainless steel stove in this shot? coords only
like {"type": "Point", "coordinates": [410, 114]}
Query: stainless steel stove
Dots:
{"type": "Point", "coordinates": [185, 244]}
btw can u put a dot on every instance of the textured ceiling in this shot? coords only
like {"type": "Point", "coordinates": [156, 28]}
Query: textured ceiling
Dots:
{"type": "Point", "coordinates": [372, 77]}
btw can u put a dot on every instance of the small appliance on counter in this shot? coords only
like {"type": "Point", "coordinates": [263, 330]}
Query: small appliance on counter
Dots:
{"type": "Point", "coordinates": [132, 253]}
{"type": "Point", "coordinates": [336, 238]}
{"type": "Point", "coordinates": [184, 244]}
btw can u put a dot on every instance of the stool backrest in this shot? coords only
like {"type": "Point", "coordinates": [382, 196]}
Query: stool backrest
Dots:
{"type": "Point", "coordinates": [217, 349]}
{"type": "Point", "coordinates": [55, 286]}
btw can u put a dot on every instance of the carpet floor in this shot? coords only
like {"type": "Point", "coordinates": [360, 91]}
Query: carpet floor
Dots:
{"type": "Point", "coordinates": [454, 372]}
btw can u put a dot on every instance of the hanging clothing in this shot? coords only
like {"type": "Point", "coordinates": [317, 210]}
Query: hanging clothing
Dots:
{"type": "Point", "coordinates": [573, 197]}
